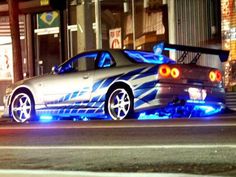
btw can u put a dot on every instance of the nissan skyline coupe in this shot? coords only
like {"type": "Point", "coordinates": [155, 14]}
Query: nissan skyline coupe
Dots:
{"type": "Point", "coordinates": [119, 84]}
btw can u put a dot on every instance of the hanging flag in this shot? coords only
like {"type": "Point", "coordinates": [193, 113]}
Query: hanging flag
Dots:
{"type": "Point", "coordinates": [48, 19]}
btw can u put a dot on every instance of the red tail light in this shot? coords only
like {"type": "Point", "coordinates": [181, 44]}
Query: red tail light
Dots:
{"type": "Point", "coordinates": [218, 76]}
{"type": "Point", "coordinates": [215, 76]}
{"type": "Point", "coordinates": [164, 70]}
{"type": "Point", "coordinates": [167, 71]}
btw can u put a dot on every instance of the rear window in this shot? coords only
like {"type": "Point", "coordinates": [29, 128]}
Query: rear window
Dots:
{"type": "Point", "coordinates": [147, 57]}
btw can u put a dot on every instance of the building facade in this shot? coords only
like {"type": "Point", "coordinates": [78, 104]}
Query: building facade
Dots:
{"type": "Point", "coordinates": [54, 30]}
{"type": "Point", "coordinates": [228, 23]}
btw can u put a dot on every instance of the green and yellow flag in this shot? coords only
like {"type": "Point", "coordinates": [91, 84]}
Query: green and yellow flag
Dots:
{"type": "Point", "coordinates": [48, 19]}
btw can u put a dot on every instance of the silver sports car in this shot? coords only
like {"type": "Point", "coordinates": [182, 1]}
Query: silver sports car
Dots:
{"type": "Point", "coordinates": [119, 83]}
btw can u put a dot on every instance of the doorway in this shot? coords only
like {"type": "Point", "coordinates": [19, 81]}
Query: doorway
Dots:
{"type": "Point", "coordinates": [47, 52]}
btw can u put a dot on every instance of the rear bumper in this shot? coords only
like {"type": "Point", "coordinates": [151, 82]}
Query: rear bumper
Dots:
{"type": "Point", "coordinates": [181, 91]}
{"type": "Point", "coordinates": [178, 95]}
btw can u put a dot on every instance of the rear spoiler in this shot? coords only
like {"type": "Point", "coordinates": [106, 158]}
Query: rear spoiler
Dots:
{"type": "Point", "coordinates": [223, 54]}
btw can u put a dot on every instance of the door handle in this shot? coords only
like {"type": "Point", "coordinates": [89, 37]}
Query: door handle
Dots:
{"type": "Point", "coordinates": [85, 76]}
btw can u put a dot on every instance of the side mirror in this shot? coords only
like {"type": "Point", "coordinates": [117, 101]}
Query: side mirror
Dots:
{"type": "Point", "coordinates": [55, 69]}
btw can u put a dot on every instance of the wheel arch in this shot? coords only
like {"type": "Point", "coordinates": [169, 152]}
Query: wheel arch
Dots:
{"type": "Point", "coordinates": [22, 89]}
{"type": "Point", "coordinates": [118, 85]}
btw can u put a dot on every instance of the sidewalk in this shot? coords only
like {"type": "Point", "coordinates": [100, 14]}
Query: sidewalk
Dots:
{"type": "Point", "coordinates": [47, 173]}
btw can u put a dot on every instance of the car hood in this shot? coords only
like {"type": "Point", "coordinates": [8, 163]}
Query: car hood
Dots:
{"type": "Point", "coordinates": [27, 81]}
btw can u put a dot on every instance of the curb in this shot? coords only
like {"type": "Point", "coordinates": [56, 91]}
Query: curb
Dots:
{"type": "Point", "coordinates": [48, 173]}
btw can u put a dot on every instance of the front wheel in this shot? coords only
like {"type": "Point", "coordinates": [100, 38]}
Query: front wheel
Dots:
{"type": "Point", "coordinates": [22, 107]}
{"type": "Point", "coordinates": [119, 104]}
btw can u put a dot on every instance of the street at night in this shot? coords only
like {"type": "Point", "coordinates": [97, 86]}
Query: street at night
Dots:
{"type": "Point", "coordinates": [195, 146]}
{"type": "Point", "coordinates": [121, 88]}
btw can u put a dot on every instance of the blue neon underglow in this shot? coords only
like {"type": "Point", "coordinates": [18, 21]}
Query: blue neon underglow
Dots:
{"type": "Point", "coordinates": [85, 119]}
{"type": "Point", "coordinates": [196, 101]}
{"type": "Point", "coordinates": [197, 110]}
{"type": "Point", "coordinates": [75, 119]}
{"type": "Point", "coordinates": [45, 118]}
{"type": "Point", "coordinates": [155, 116]}
{"type": "Point", "coordinates": [208, 110]}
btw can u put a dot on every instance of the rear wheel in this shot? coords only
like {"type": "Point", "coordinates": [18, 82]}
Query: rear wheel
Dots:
{"type": "Point", "coordinates": [22, 107]}
{"type": "Point", "coordinates": [119, 104]}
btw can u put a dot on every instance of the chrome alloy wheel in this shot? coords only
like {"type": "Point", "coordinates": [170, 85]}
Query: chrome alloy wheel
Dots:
{"type": "Point", "coordinates": [21, 107]}
{"type": "Point", "coordinates": [119, 104]}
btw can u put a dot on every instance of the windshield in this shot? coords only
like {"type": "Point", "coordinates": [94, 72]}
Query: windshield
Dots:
{"type": "Point", "coordinates": [81, 62]}
{"type": "Point", "coordinates": [147, 57]}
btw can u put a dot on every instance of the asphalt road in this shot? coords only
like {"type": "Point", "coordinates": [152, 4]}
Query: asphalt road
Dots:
{"type": "Point", "coordinates": [196, 146]}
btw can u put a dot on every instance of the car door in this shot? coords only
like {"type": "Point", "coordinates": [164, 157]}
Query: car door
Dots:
{"type": "Point", "coordinates": [72, 82]}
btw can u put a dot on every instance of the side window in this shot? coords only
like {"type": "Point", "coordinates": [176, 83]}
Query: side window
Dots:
{"type": "Point", "coordinates": [84, 62]}
{"type": "Point", "coordinates": [105, 60]}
